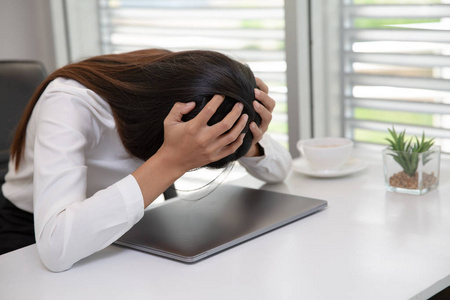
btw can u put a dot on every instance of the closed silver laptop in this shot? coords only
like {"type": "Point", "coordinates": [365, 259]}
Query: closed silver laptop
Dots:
{"type": "Point", "coordinates": [191, 230]}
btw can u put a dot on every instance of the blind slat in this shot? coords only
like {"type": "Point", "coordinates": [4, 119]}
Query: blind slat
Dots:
{"type": "Point", "coordinates": [398, 11]}
{"type": "Point", "coordinates": [411, 129]}
{"type": "Point", "coordinates": [205, 13]}
{"type": "Point", "coordinates": [438, 36]}
{"type": "Point", "coordinates": [415, 60]}
{"type": "Point", "coordinates": [243, 55]}
{"type": "Point", "coordinates": [407, 106]}
{"type": "Point", "coordinates": [254, 34]}
{"type": "Point", "coordinates": [398, 81]}
{"type": "Point", "coordinates": [187, 42]}
{"type": "Point", "coordinates": [183, 4]}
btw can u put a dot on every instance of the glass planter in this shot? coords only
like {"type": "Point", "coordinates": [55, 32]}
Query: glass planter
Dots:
{"type": "Point", "coordinates": [420, 180]}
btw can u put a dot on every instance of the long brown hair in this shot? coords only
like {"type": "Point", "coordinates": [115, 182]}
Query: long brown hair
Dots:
{"type": "Point", "coordinates": [142, 86]}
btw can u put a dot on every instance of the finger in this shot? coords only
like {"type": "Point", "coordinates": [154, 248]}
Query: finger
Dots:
{"type": "Point", "coordinates": [264, 113]}
{"type": "Point", "coordinates": [178, 110]}
{"type": "Point", "coordinates": [261, 85]}
{"type": "Point", "coordinates": [209, 110]}
{"type": "Point", "coordinates": [256, 131]}
{"type": "Point", "coordinates": [232, 148]}
{"type": "Point", "coordinates": [229, 120]}
{"type": "Point", "coordinates": [265, 99]}
{"type": "Point", "coordinates": [234, 133]}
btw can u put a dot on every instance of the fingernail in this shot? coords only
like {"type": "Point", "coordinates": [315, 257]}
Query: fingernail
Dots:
{"type": "Point", "coordinates": [253, 125]}
{"type": "Point", "coordinates": [245, 116]}
{"type": "Point", "coordinates": [240, 105]}
{"type": "Point", "coordinates": [190, 104]}
{"type": "Point", "coordinates": [257, 92]}
{"type": "Point", "coordinates": [256, 104]}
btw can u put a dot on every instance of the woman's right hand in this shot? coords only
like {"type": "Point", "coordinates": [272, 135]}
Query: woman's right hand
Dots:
{"type": "Point", "coordinates": [194, 143]}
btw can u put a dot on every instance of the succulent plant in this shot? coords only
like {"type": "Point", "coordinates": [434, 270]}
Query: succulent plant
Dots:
{"type": "Point", "coordinates": [407, 154]}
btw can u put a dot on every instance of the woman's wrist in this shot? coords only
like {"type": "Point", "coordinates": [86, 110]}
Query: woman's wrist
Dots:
{"type": "Point", "coordinates": [255, 150]}
{"type": "Point", "coordinates": [156, 175]}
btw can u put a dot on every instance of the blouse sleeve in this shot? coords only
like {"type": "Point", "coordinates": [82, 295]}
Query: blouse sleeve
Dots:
{"type": "Point", "coordinates": [68, 225]}
{"type": "Point", "coordinates": [273, 166]}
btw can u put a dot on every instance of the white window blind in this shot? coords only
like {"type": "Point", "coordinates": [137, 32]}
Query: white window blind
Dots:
{"type": "Point", "coordinates": [251, 31]}
{"type": "Point", "coordinates": [396, 68]}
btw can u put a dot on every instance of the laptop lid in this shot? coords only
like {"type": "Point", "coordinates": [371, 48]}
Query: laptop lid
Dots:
{"type": "Point", "coordinates": [191, 230]}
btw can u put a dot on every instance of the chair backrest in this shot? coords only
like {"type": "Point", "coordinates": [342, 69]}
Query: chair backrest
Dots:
{"type": "Point", "coordinates": [18, 81]}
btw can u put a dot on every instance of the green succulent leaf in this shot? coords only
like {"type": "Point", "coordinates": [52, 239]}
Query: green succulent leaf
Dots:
{"type": "Point", "coordinates": [406, 153]}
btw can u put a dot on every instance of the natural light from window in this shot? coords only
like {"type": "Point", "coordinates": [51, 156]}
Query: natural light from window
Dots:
{"type": "Point", "coordinates": [396, 60]}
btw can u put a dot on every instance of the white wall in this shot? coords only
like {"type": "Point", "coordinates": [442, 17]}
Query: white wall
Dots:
{"type": "Point", "coordinates": [26, 31]}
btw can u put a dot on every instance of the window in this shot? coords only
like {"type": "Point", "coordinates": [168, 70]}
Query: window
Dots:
{"type": "Point", "coordinates": [396, 68]}
{"type": "Point", "coordinates": [251, 31]}
{"type": "Point", "coordinates": [354, 67]}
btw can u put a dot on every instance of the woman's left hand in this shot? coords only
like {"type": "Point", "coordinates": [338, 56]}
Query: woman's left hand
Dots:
{"type": "Point", "coordinates": [264, 109]}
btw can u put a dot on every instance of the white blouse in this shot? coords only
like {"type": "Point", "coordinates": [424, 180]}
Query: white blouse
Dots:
{"type": "Point", "coordinates": [76, 175]}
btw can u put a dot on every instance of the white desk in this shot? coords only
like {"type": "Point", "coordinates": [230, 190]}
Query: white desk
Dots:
{"type": "Point", "coordinates": [368, 244]}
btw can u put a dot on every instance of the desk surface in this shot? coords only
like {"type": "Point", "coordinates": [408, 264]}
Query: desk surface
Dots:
{"type": "Point", "coordinates": [368, 244]}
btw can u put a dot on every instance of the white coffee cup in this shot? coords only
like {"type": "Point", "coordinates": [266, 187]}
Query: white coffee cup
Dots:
{"type": "Point", "coordinates": [328, 153]}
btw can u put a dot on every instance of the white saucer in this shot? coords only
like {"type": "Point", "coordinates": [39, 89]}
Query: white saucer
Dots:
{"type": "Point", "coordinates": [353, 165]}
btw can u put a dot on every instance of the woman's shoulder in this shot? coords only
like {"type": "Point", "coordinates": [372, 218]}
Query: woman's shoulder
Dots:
{"type": "Point", "coordinates": [67, 104]}
{"type": "Point", "coordinates": [71, 90]}
{"type": "Point", "coordinates": [61, 82]}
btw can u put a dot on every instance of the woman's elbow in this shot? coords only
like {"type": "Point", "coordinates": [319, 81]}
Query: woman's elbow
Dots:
{"type": "Point", "coordinates": [278, 172]}
{"type": "Point", "coordinates": [53, 255]}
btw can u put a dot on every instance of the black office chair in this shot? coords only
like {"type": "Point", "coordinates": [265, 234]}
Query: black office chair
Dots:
{"type": "Point", "coordinates": [18, 80]}
{"type": "Point", "coordinates": [170, 192]}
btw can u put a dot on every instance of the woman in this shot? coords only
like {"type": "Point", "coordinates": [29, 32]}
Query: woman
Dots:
{"type": "Point", "coordinates": [103, 138]}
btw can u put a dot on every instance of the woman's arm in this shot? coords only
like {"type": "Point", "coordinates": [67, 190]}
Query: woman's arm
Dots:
{"type": "Point", "coordinates": [69, 224]}
{"type": "Point", "coordinates": [273, 166]}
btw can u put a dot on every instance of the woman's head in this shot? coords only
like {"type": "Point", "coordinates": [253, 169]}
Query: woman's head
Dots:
{"type": "Point", "coordinates": [142, 86]}
{"type": "Point", "coordinates": [195, 76]}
